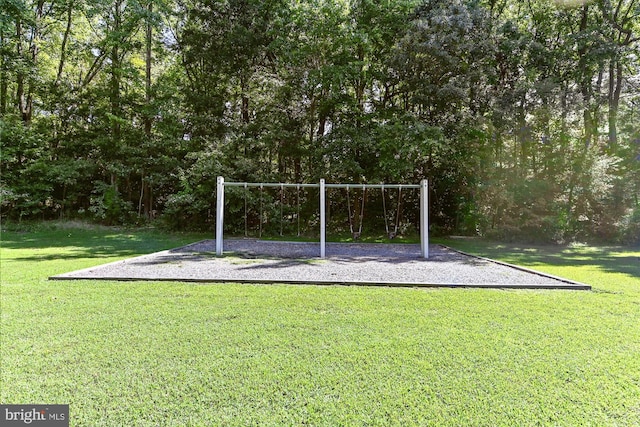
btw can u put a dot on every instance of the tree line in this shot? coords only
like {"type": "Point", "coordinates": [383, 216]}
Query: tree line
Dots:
{"type": "Point", "coordinates": [523, 115]}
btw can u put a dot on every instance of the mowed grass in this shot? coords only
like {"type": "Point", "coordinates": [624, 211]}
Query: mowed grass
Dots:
{"type": "Point", "coordinates": [175, 354]}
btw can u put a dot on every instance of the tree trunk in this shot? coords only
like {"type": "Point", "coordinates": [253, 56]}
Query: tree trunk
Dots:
{"type": "Point", "coordinates": [63, 47]}
{"type": "Point", "coordinates": [25, 100]}
{"type": "Point", "coordinates": [245, 108]}
{"type": "Point", "coordinates": [140, 200]}
{"type": "Point", "coordinates": [20, 96]}
{"type": "Point", "coordinates": [4, 84]}
{"type": "Point", "coordinates": [615, 87]}
{"type": "Point", "coordinates": [114, 93]}
{"type": "Point", "coordinates": [149, 59]}
{"type": "Point", "coordinates": [114, 83]}
{"type": "Point", "coordinates": [148, 120]}
{"type": "Point", "coordinates": [585, 83]}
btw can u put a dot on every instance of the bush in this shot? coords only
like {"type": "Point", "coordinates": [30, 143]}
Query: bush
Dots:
{"type": "Point", "coordinates": [184, 211]}
{"type": "Point", "coordinates": [108, 207]}
{"type": "Point", "coordinates": [630, 227]}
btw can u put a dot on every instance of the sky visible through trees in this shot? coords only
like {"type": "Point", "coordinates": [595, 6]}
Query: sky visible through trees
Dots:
{"type": "Point", "coordinates": [523, 115]}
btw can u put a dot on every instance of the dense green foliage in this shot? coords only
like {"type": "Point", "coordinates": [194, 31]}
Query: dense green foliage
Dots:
{"type": "Point", "coordinates": [176, 354]}
{"type": "Point", "coordinates": [524, 116]}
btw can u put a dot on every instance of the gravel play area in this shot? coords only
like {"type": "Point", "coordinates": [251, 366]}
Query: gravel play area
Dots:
{"type": "Point", "coordinates": [258, 261]}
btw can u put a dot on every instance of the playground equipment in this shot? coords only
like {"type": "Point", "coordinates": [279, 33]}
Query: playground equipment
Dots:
{"type": "Point", "coordinates": [394, 233]}
{"type": "Point", "coordinates": [262, 207]}
{"type": "Point", "coordinates": [356, 234]}
{"type": "Point", "coordinates": [424, 208]}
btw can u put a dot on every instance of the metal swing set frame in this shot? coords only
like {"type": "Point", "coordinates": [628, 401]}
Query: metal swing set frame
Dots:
{"type": "Point", "coordinates": [262, 185]}
{"type": "Point", "coordinates": [424, 207]}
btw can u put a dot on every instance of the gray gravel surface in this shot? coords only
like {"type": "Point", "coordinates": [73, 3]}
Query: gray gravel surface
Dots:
{"type": "Point", "coordinates": [257, 261]}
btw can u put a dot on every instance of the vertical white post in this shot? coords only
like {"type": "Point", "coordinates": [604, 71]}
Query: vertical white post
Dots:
{"type": "Point", "coordinates": [424, 218]}
{"type": "Point", "coordinates": [322, 220]}
{"type": "Point", "coordinates": [219, 215]}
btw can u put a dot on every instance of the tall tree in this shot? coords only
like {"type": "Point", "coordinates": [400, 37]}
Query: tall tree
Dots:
{"type": "Point", "coordinates": [623, 32]}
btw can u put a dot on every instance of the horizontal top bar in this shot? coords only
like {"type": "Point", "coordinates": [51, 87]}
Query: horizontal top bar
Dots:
{"type": "Point", "coordinates": [289, 185]}
{"type": "Point", "coordinates": [269, 184]}
{"type": "Point", "coordinates": [361, 186]}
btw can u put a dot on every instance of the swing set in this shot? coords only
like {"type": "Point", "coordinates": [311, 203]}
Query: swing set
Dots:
{"type": "Point", "coordinates": [261, 212]}
{"type": "Point", "coordinates": [394, 233]}
{"type": "Point", "coordinates": [357, 233]}
{"type": "Point", "coordinates": [322, 186]}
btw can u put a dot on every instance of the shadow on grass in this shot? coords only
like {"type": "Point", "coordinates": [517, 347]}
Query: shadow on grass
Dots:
{"type": "Point", "coordinates": [612, 259]}
{"type": "Point", "coordinates": [108, 243]}
{"type": "Point", "coordinates": [608, 261]}
{"type": "Point", "coordinates": [100, 243]}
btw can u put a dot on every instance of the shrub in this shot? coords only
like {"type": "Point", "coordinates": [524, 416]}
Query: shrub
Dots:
{"type": "Point", "coordinates": [630, 227]}
{"type": "Point", "coordinates": [108, 207]}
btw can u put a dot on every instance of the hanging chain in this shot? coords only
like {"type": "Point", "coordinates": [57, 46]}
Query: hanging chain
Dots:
{"type": "Point", "coordinates": [246, 214]}
{"type": "Point", "coordinates": [261, 212]}
{"type": "Point", "coordinates": [298, 208]}
{"type": "Point", "coordinates": [384, 209]}
{"type": "Point", "coordinates": [349, 209]}
{"type": "Point", "coordinates": [281, 203]}
{"type": "Point", "coordinates": [364, 196]}
{"type": "Point", "coordinates": [395, 233]}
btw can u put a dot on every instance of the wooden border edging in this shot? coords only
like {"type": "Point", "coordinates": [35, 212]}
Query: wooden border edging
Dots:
{"type": "Point", "coordinates": [573, 283]}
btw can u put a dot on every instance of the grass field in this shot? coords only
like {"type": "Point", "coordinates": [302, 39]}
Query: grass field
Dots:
{"type": "Point", "coordinates": [174, 354]}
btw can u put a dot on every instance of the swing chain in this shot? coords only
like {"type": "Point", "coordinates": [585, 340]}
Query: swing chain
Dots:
{"type": "Point", "coordinates": [281, 203]}
{"type": "Point", "coordinates": [394, 233]}
{"type": "Point", "coordinates": [246, 214]}
{"type": "Point", "coordinates": [364, 197]}
{"type": "Point", "coordinates": [261, 211]}
{"type": "Point", "coordinates": [384, 210]}
{"type": "Point", "coordinates": [356, 234]}
{"type": "Point", "coordinates": [298, 207]}
{"type": "Point", "coordinates": [349, 209]}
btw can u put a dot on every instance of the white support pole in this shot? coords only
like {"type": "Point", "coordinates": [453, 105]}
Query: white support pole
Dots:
{"type": "Point", "coordinates": [219, 215]}
{"type": "Point", "coordinates": [322, 219]}
{"type": "Point", "coordinates": [424, 218]}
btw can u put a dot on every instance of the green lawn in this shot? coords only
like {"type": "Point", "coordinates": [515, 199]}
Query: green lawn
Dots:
{"type": "Point", "coordinates": [175, 354]}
